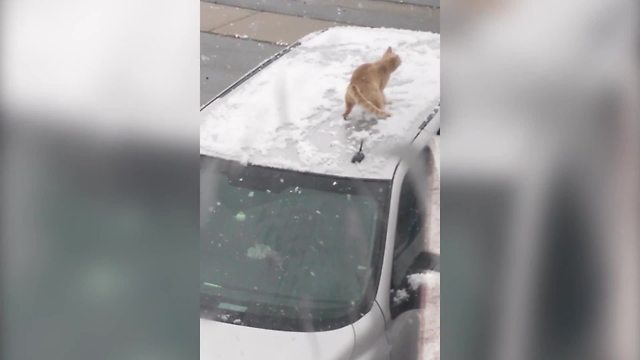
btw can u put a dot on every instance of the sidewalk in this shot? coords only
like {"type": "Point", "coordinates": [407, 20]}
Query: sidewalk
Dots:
{"type": "Point", "coordinates": [256, 25]}
{"type": "Point", "coordinates": [282, 22]}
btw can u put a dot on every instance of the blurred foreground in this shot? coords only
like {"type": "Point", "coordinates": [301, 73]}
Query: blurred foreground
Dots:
{"type": "Point", "coordinates": [540, 171]}
{"type": "Point", "coordinates": [100, 186]}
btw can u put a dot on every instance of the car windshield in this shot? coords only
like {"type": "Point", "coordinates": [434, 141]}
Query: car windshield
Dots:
{"type": "Point", "coordinates": [287, 250]}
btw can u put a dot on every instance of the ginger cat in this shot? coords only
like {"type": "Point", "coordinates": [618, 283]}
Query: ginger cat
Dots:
{"type": "Point", "coordinates": [368, 82]}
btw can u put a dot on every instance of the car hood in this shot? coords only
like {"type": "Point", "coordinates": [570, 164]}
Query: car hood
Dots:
{"type": "Point", "coordinates": [222, 341]}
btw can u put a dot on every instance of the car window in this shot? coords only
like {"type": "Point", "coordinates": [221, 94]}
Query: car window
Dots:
{"type": "Point", "coordinates": [410, 216]}
{"type": "Point", "coordinates": [409, 244]}
{"type": "Point", "coordinates": [287, 250]}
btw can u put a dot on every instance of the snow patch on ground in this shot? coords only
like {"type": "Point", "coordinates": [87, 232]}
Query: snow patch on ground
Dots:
{"type": "Point", "coordinates": [290, 114]}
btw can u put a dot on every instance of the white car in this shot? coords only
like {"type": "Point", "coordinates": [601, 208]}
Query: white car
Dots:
{"type": "Point", "coordinates": [311, 225]}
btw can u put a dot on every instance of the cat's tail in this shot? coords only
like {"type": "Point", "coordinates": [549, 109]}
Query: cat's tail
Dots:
{"type": "Point", "coordinates": [368, 104]}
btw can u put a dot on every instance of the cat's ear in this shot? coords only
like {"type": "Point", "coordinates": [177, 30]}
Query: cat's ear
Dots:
{"type": "Point", "coordinates": [389, 51]}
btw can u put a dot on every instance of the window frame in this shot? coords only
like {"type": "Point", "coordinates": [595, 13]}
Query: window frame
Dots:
{"type": "Point", "coordinates": [406, 252]}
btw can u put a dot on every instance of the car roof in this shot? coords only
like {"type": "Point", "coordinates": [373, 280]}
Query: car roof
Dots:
{"type": "Point", "coordinates": [289, 114]}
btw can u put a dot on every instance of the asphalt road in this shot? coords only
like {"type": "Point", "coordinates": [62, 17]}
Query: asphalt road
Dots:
{"type": "Point", "coordinates": [223, 60]}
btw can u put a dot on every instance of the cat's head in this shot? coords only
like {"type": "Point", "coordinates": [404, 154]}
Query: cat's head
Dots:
{"type": "Point", "coordinates": [392, 58]}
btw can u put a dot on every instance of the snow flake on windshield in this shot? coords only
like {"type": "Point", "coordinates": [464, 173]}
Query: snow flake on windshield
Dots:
{"type": "Point", "coordinates": [240, 216]}
{"type": "Point", "coordinates": [260, 252]}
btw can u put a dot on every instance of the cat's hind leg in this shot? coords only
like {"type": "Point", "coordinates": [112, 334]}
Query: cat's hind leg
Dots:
{"type": "Point", "coordinates": [379, 101]}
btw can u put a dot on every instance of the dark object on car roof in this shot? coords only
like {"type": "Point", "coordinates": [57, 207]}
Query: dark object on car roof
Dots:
{"type": "Point", "coordinates": [359, 156]}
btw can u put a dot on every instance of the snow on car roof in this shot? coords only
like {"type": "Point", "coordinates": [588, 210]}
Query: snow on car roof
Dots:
{"type": "Point", "coordinates": [289, 115]}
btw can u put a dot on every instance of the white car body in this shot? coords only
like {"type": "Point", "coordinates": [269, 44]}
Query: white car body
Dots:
{"type": "Point", "coordinates": [299, 129]}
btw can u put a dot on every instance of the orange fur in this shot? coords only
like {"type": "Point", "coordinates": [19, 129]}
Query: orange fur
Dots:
{"type": "Point", "coordinates": [368, 83]}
